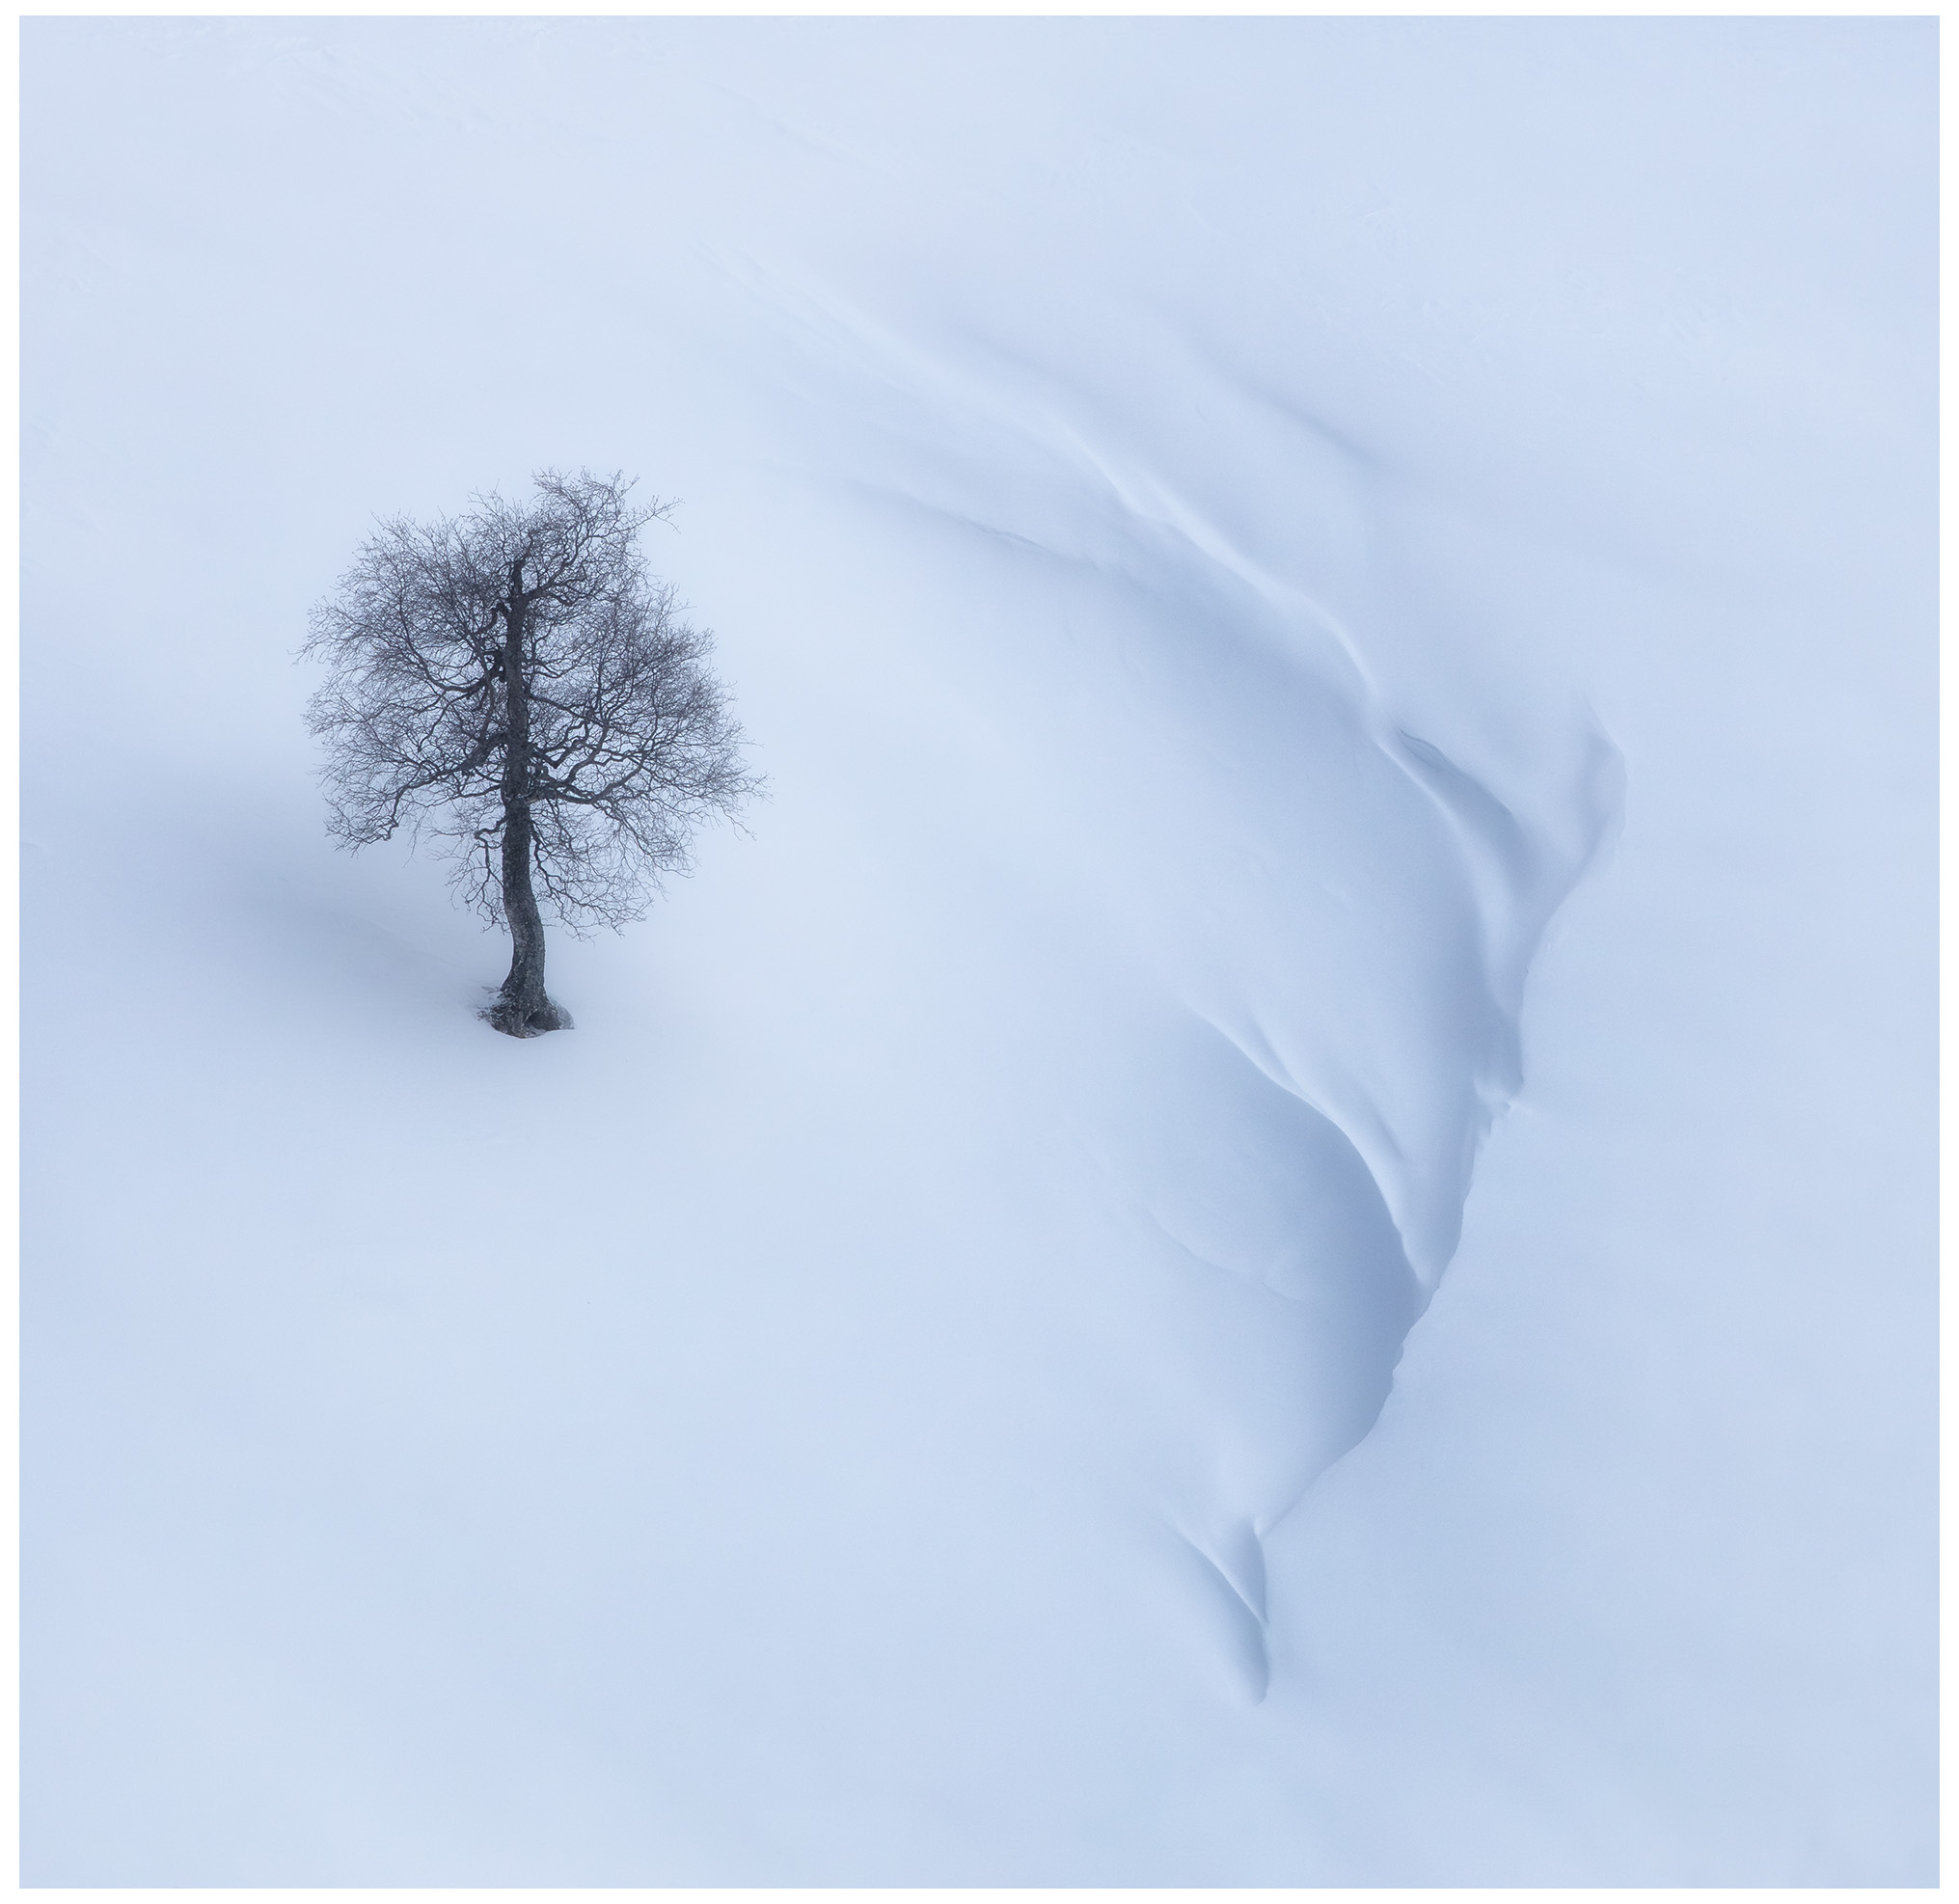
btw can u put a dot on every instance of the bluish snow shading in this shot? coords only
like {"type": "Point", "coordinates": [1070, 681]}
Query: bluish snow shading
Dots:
{"type": "Point", "coordinates": [1277, 1227]}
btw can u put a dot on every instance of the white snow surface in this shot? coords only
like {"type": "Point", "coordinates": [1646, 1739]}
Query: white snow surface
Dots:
{"type": "Point", "coordinates": [1341, 615]}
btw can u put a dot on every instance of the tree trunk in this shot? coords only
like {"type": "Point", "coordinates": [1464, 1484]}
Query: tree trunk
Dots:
{"type": "Point", "coordinates": [522, 1008]}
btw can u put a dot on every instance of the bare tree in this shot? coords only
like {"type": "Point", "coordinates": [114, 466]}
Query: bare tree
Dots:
{"type": "Point", "coordinates": [514, 686]}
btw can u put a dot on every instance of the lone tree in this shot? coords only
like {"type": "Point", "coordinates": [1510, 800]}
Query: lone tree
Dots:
{"type": "Point", "coordinates": [514, 686]}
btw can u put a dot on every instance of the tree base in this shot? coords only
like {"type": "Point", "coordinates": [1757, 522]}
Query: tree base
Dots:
{"type": "Point", "coordinates": [513, 1020]}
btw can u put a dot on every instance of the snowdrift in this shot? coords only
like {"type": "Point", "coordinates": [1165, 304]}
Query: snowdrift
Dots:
{"type": "Point", "coordinates": [1231, 539]}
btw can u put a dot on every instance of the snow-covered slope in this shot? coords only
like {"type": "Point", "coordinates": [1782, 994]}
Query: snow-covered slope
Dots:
{"type": "Point", "coordinates": [1225, 536]}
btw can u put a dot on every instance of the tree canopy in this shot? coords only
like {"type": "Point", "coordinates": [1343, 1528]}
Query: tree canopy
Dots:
{"type": "Point", "coordinates": [514, 687]}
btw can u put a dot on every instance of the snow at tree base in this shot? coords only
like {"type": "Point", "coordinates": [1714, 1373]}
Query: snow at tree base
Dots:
{"type": "Point", "coordinates": [1277, 1225]}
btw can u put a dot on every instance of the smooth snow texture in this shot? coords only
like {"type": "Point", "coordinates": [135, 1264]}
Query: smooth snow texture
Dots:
{"type": "Point", "coordinates": [1225, 536]}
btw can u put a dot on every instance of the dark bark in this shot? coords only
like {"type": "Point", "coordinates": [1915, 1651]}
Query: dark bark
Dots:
{"type": "Point", "coordinates": [522, 1008]}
